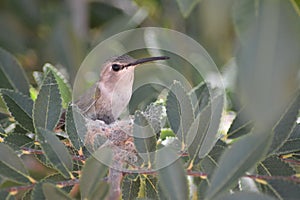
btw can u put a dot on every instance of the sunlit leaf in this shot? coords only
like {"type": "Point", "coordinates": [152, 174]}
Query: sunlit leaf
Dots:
{"type": "Point", "coordinates": [296, 5]}
{"type": "Point", "coordinates": [179, 111]}
{"type": "Point", "coordinates": [55, 151]}
{"type": "Point", "coordinates": [11, 166]}
{"type": "Point", "coordinates": [131, 186]}
{"type": "Point", "coordinates": [172, 178]}
{"type": "Point", "coordinates": [47, 107]}
{"type": "Point", "coordinates": [20, 107]}
{"type": "Point", "coordinates": [64, 87]}
{"type": "Point", "coordinates": [12, 75]}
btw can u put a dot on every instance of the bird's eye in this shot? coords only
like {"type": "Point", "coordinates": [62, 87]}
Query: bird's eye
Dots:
{"type": "Point", "coordinates": [116, 67]}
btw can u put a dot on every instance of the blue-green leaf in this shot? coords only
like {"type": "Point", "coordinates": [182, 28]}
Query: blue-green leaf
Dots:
{"type": "Point", "coordinates": [53, 192]}
{"type": "Point", "coordinates": [144, 138]}
{"type": "Point", "coordinates": [179, 111]}
{"type": "Point", "coordinates": [172, 178]}
{"type": "Point", "coordinates": [11, 166]}
{"type": "Point", "coordinates": [284, 126]}
{"type": "Point", "coordinates": [20, 107]}
{"type": "Point", "coordinates": [131, 186]}
{"type": "Point", "coordinates": [92, 179]}
{"type": "Point", "coordinates": [203, 132]}
{"type": "Point", "coordinates": [47, 107]}
{"type": "Point", "coordinates": [200, 97]}
{"type": "Point", "coordinates": [236, 160]}
{"type": "Point", "coordinates": [75, 126]}
{"type": "Point", "coordinates": [12, 75]}
{"type": "Point", "coordinates": [64, 87]}
{"type": "Point", "coordinates": [274, 166]}
{"type": "Point", "coordinates": [56, 153]}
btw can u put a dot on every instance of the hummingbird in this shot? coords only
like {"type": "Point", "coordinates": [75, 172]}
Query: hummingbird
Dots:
{"type": "Point", "coordinates": [109, 96]}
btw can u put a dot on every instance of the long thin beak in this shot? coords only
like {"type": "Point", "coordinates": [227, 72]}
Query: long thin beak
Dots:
{"type": "Point", "coordinates": [145, 60]}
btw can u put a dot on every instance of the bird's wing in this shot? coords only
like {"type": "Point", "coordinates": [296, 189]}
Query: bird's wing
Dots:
{"type": "Point", "coordinates": [88, 99]}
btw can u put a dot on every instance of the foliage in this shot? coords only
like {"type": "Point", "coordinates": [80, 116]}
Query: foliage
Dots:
{"type": "Point", "coordinates": [203, 161]}
{"type": "Point", "coordinates": [258, 157]}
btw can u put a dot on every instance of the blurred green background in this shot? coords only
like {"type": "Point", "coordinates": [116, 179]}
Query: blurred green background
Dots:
{"type": "Point", "coordinates": [62, 32]}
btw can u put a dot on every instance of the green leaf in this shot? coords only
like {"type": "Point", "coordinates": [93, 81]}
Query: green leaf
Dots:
{"type": "Point", "coordinates": [282, 189]}
{"type": "Point", "coordinates": [38, 77]}
{"type": "Point", "coordinates": [47, 107]}
{"type": "Point", "coordinates": [203, 132]}
{"type": "Point", "coordinates": [131, 186]}
{"type": "Point", "coordinates": [64, 87]}
{"type": "Point", "coordinates": [274, 166]}
{"type": "Point", "coordinates": [11, 166]}
{"type": "Point", "coordinates": [179, 111]}
{"type": "Point", "coordinates": [27, 195]}
{"type": "Point", "coordinates": [92, 179]}
{"type": "Point", "coordinates": [245, 196]}
{"type": "Point", "coordinates": [236, 160]}
{"type": "Point", "coordinates": [55, 152]}
{"type": "Point", "coordinates": [151, 187]}
{"type": "Point", "coordinates": [12, 75]}
{"type": "Point", "coordinates": [2, 131]}
{"type": "Point", "coordinates": [284, 126]}
{"type": "Point", "coordinates": [20, 107]}
{"type": "Point", "coordinates": [292, 144]}
{"type": "Point", "coordinates": [144, 138]}
{"type": "Point", "coordinates": [296, 5]}
{"type": "Point", "coordinates": [172, 178]}
{"type": "Point", "coordinates": [187, 6]}
{"type": "Point", "coordinates": [166, 132]}
{"type": "Point", "coordinates": [267, 73]}
{"type": "Point", "coordinates": [210, 162]}
{"type": "Point", "coordinates": [240, 126]}
{"type": "Point", "coordinates": [208, 165]}
{"type": "Point", "coordinates": [17, 140]}
{"type": "Point", "coordinates": [4, 194]}
{"type": "Point", "coordinates": [37, 192]}
{"type": "Point", "coordinates": [200, 97]}
{"type": "Point", "coordinates": [75, 126]}
{"type": "Point", "coordinates": [197, 133]}
{"type": "Point", "coordinates": [53, 192]}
